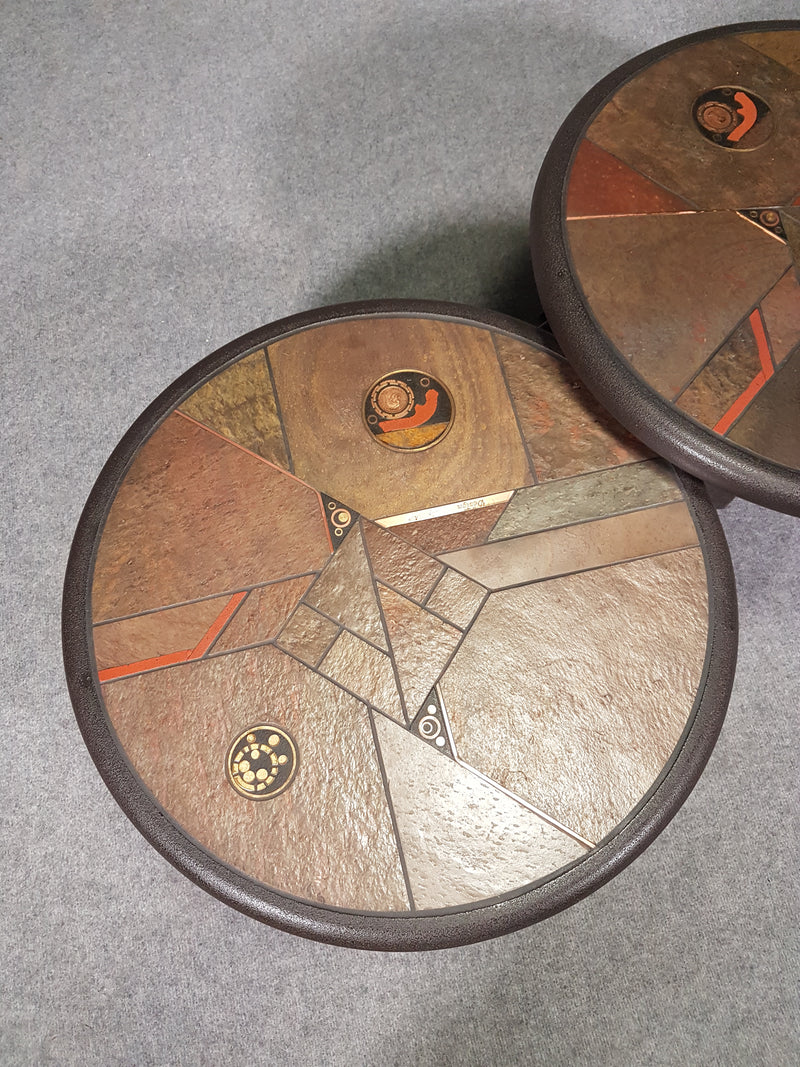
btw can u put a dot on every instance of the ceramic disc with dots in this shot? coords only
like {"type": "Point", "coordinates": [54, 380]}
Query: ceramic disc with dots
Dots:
{"type": "Point", "coordinates": [401, 693]}
{"type": "Point", "coordinates": [666, 244]}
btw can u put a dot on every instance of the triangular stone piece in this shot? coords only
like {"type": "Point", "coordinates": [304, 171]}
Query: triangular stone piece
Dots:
{"type": "Point", "coordinates": [601, 184]}
{"type": "Point", "coordinates": [463, 840]}
{"type": "Point", "coordinates": [421, 644]}
{"type": "Point", "coordinates": [399, 564]}
{"type": "Point", "coordinates": [339, 517]}
{"type": "Point", "coordinates": [429, 724]}
{"type": "Point", "coordinates": [345, 591]}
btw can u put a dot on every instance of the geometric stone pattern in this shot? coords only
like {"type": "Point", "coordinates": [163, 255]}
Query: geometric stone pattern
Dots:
{"type": "Point", "coordinates": [474, 704]}
{"type": "Point", "coordinates": [686, 250]}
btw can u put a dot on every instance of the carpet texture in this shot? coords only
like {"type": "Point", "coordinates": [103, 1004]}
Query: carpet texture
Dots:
{"type": "Point", "coordinates": [174, 175]}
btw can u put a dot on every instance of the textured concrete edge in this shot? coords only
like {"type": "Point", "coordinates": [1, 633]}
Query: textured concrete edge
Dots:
{"type": "Point", "coordinates": [678, 438]}
{"type": "Point", "coordinates": [433, 930]}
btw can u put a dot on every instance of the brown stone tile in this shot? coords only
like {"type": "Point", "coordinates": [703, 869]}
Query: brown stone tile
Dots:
{"type": "Point", "coordinates": [399, 564]}
{"type": "Point", "coordinates": [322, 376]}
{"type": "Point", "coordinates": [195, 515]}
{"type": "Point", "coordinates": [689, 281]}
{"type": "Point", "coordinates": [649, 125]}
{"type": "Point", "coordinates": [770, 425]}
{"type": "Point", "coordinates": [790, 218]}
{"type": "Point", "coordinates": [307, 635]}
{"type": "Point", "coordinates": [724, 379]}
{"type": "Point", "coordinates": [421, 646]}
{"type": "Point", "coordinates": [345, 590]}
{"type": "Point", "coordinates": [463, 840]}
{"type": "Point", "coordinates": [239, 403]}
{"type": "Point", "coordinates": [154, 634]}
{"type": "Point", "coordinates": [364, 671]}
{"type": "Point", "coordinates": [446, 532]}
{"type": "Point", "coordinates": [599, 184]}
{"type": "Point", "coordinates": [329, 837]}
{"type": "Point", "coordinates": [783, 46]}
{"type": "Point", "coordinates": [263, 614]}
{"type": "Point", "coordinates": [587, 496]}
{"type": "Point", "coordinates": [456, 598]}
{"type": "Point", "coordinates": [597, 676]}
{"type": "Point", "coordinates": [531, 557]}
{"type": "Point", "coordinates": [566, 430]}
{"type": "Point", "coordinates": [781, 311]}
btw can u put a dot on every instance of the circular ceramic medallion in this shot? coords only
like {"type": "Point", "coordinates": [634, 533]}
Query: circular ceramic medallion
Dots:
{"type": "Point", "coordinates": [666, 243]}
{"type": "Point", "coordinates": [396, 698]}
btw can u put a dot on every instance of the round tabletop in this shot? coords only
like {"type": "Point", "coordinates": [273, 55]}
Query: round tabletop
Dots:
{"type": "Point", "coordinates": [382, 631]}
{"type": "Point", "coordinates": [665, 236]}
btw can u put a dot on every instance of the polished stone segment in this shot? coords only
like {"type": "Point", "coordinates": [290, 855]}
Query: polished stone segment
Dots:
{"type": "Point", "coordinates": [672, 304]}
{"type": "Point", "coordinates": [599, 674]}
{"type": "Point", "coordinates": [599, 184]}
{"type": "Point", "coordinates": [456, 598]}
{"type": "Point", "coordinates": [588, 496]}
{"type": "Point", "coordinates": [322, 376]}
{"type": "Point", "coordinates": [720, 383]}
{"type": "Point", "coordinates": [531, 557]}
{"type": "Point", "coordinates": [648, 124]}
{"type": "Point", "coordinates": [307, 635]}
{"type": "Point", "coordinates": [769, 426]}
{"type": "Point", "coordinates": [345, 590]}
{"type": "Point", "coordinates": [399, 564]}
{"type": "Point", "coordinates": [781, 311]}
{"type": "Point", "coordinates": [239, 403]}
{"type": "Point", "coordinates": [462, 839]}
{"type": "Point", "coordinates": [567, 432]}
{"type": "Point", "coordinates": [421, 646]}
{"type": "Point", "coordinates": [189, 521]}
{"type": "Point", "coordinates": [365, 671]}
{"type": "Point", "coordinates": [263, 613]}
{"type": "Point", "coordinates": [446, 532]}
{"type": "Point", "coordinates": [329, 837]}
{"type": "Point", "coordinates": [154, 634]}
{"type": "Point", "coordinates": [783, 46]}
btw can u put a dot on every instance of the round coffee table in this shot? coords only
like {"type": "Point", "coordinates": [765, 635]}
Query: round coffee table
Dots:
{"type": "Point", "coordinates": [665, 237]}
{"type": "Point", "coordinates": [382, 631]}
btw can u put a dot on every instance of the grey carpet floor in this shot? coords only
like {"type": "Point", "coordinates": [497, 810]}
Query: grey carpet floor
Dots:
{"type": "Point", "coordinates": [174, 175]}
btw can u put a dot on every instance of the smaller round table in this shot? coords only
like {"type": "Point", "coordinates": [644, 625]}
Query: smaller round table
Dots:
{"type": "Point", "coordinates": [380, 629]}
{"type": "Point", "coordinates": [665, 237]}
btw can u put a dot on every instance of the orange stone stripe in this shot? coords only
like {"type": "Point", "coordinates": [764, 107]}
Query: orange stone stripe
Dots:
{"type": "Point", "coordinates": [763, 376]}
{"type": "Point", "coordinates": [186, 655]}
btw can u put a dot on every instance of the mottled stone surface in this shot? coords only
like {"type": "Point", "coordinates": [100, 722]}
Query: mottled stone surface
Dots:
{"type": "Point", "coordinates": [771, 424]}
{"type": "Point", "coordinates": [322, 376]}
{"type": "Point", "coordinates": [239, 403]}
{"type": "Point", "coordinates": [599, 184]}
{"type": "Point", "coordinates": [365, 671]}
{"type": "Point", "coordinates": [263, 613]}
{"type": "Point", "coordinates": [574, 692]}
{"type": "Point", "coordinates": [688, 283]}
{"type": "Point", "coordinates": [447, 532]}
{"type": "Point", "coordinates": [462, 839]}
{"type": "Point", "coordinates": [720, 383]}
{"type": "Point", "coordinates": [194, 516]}
{"type": "Point", "coordinates": [781, 311]}
{"type": "Point", "coordinates": [421, 646]}
{"type": "Point", "coordinates": [345, 590]}
{"type": "Point", "coordinates": [648, 125]}
{"type": "Point", "coordinates": [456, 598]}
{"type": "Point", "coordinates": [566, 430]}
{"type": "Point", "coordinates": [531, 557]}
{"type": "Point", "coordinates": [307, 635]}
{"type": "Point", "coordinates": [329, 837]}
{"type": "Point", "coordinates": [399, 564]}
{"type": "Point", "coordinates": [154, 634]}
{"type": "Point", "coordinates": [783, 47]}
{"type": "Point", "coordinates": [588, 496]}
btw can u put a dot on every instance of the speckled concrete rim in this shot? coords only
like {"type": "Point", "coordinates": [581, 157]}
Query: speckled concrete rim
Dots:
{"type": "Point", "coordinates": [370, 930]}
{"type": "Point", "coordinates": [614, 382]}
